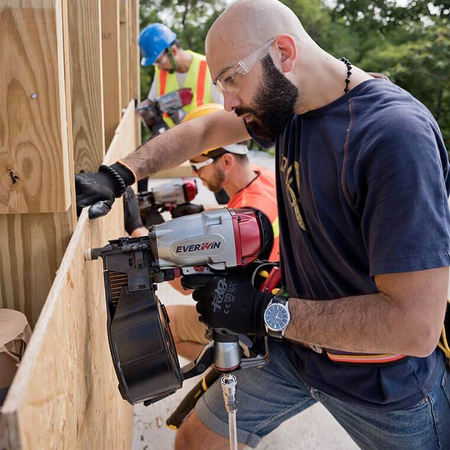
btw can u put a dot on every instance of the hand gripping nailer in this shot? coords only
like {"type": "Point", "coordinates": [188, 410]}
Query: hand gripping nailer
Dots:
{"type": "Point", "coordinates": [140, 339]}
{"type": "Point", "coordinates": [165, 197]}
{"type": "Point", "coordinates": [171, 105]}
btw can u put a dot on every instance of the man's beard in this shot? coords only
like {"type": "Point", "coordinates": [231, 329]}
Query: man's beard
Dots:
{"type": "Point", "coordinates": [274, 103]}
{"type": "Point", "coordinates": [215, 183]}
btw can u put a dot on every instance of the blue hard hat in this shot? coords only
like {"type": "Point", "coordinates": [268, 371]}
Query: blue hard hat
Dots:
{"type": "Point", "coordinates": [153, 40]}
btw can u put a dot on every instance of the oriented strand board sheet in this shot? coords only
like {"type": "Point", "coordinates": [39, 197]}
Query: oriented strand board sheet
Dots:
{"type": "Point", "coordinates": [34, 159]}
{"type": "Point", "coordinates": [65, 392]}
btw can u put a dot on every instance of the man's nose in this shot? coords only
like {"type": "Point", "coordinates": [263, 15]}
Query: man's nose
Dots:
{"type": "Point", "coordinates": [230, 101]}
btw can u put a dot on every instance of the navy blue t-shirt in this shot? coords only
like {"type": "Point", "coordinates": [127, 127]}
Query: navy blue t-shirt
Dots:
{"type": "Point", "coordinates": [362, 189]}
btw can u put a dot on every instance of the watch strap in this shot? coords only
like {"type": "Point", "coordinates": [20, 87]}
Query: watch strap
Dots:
{"type": "Point", "coordinates": [279, 299]}
{"type": "Point", "coordinates": [283, 300]}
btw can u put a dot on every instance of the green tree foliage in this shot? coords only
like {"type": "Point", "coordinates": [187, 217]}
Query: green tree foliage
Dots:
{"type": "Point", "coordinates": [409, 42]}
{"type": "Point", "coordinates": [189, 19]}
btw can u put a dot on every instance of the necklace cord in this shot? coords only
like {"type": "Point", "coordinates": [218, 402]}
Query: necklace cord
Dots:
{"type": "Point", "coordinates": [349, 72]}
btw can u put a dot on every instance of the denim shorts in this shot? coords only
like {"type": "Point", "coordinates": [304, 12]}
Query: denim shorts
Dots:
{"type": "Point", "coordinates": [270, 395]}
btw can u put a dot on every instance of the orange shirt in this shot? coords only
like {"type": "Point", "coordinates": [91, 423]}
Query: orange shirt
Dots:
{"type": "Point", "coordinates": [261, 194]}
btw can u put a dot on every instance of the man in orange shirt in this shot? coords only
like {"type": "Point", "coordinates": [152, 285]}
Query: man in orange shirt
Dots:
{"type": "Point", "coordinates": [248, 185]}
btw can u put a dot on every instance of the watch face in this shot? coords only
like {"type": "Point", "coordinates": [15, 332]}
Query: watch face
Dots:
{"type": "Point", "coordinates": [276, 317]}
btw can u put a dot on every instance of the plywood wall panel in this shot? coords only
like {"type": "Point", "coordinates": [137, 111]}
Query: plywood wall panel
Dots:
{"type": "Point", "coordinates": [65, 393]}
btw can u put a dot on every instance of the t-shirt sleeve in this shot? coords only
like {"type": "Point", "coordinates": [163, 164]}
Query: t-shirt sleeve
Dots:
{"type": "Point", "coordinates": [400, 193]}
{"type": "Point", "coordinates": [152, 93]}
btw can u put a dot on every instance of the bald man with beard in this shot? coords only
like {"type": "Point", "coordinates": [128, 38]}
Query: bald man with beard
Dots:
{"type": "Point", "coordinates": [362, 187]}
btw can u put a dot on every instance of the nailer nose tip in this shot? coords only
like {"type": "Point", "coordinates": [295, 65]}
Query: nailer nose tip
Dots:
{"type": "Point", "coordinates": [88, 255]}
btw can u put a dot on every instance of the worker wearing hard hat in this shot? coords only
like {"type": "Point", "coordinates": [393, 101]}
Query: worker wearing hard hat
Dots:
{"type": "Point", "coordinates": [175, 68]}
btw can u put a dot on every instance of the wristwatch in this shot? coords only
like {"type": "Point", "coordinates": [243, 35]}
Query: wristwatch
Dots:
{"type": "Point", "coordinates": [277, 317]}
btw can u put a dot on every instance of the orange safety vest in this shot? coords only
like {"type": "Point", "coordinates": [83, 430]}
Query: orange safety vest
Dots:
{"type": "Point", "coordinates": [198, 79]}
{"type": "Point", "coordinates": [261, 195]}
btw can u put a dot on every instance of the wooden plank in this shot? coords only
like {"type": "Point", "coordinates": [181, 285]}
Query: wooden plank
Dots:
{"type": "Point", "coordinates": [87, 86]}
{"type": "Point", "coordinates": [111, 67]}
{"type": "Point", "coordinates": [32, 246]}
{"type": "Point", "coordinates": [34, 161]}
{"type": "Point", "coordinates": [65, 394]}
{"type": "Point", "coordinates": [124, 53]}
{"type": "Point", "coordinates": [135, 74]}
{"type": "Point", "coordinates": [135, 80]}
{"type": "Point", "coordinates": [68, 96]}
{"type": "Point", "coordinates": [183, 170]}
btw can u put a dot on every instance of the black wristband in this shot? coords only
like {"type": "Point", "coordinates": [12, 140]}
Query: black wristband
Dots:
{"type": "Point", "coordinates": [116, 176]}
{"type": "Point", "coordinates": [126, 174]}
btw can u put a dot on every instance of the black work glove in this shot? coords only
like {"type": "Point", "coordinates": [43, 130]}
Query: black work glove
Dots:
{"type": "Point", "coordinates": [229, 301]}
{"type": "Point", "coordinates": [185, 209]}
{"type": "Point", "coordinates": [131, 212]}
{"type": "Point", "coordinates": [100, 189]}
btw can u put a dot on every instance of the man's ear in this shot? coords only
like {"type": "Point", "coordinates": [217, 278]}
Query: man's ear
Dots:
{"type": "Point", "coordinates": [286, 53]}
{"type": "Point", "coordinates": [228, 160]}
{"type": "Point", "coordinates": [174, 50]}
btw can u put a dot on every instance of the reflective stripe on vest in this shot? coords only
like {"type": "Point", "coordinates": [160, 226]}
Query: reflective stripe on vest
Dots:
{"type": "Point", "coordinates": [197, 78]}
{"type": "Point", "coordinates": [201, 83]}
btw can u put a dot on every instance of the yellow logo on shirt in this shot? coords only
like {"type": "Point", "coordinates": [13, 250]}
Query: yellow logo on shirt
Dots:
{"type": "Point", "coordinates": [293, 187]}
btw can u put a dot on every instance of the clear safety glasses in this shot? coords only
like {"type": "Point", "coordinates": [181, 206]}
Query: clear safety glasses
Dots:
{"type": "Point", "coordinates": [231, 79]}
{"type": "Point", "coordinates": [197, 166]}
{"type": "Point", "coordinates": [162, 58]}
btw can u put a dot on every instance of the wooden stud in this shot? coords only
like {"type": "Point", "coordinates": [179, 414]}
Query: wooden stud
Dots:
{"type": "Point", "coordinates": [135, 80]}
{"type": "Point", "coordinates": [111, 67]}
{"type": "Point", "coordinates": [33, 243]}
{"type": "Point", "coordinates": [124, 53]}
{"type": "Point", "coordinates": [87, 85]}
{"type": "Point", "coordinates": [135, 87]}
{"type": "Point", "coordinates": [34, 159]}
{"type": "Point", "coordinates": [32, 248]}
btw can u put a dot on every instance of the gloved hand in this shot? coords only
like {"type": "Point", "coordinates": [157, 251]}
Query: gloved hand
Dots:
{"type": "Point", "coordinates": [131, 212]}
{"type": "Point", "coordinates": [177, 115]}
{"type": "Point", "coordinates": [148, 112]}
{"type": "Point", "coordinates": [229, 301]}
{"type": "Point", "coordinates": [100, 189]}
{"type": "Point", "coordinates": [185, 209]}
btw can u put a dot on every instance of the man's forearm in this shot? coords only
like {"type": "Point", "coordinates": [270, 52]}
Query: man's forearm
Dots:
{"type": "Point", "coordinates": [186, 140]}
{"type": "Point", "coordinates": [167, 150]}
{"type": "Point", "coordinates": [367, 324]}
